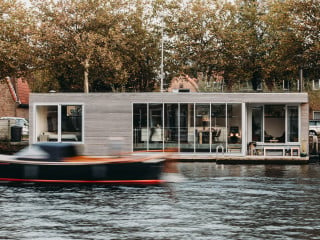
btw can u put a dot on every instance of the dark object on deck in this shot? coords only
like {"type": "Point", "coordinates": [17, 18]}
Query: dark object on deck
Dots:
{"type": "Point", "coordinates": [16, 134]}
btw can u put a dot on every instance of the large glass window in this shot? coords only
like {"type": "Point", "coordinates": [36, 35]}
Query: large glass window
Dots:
{"type": "Point", "coordinates": [234, 127]}
{"type": "Point", "coordinates": [156, 126]}
{"type": "Point", "coordinates": [187, 136]}
{"type": "Point", "coordinates": [171, 125]}
{"type": "Point", "coordinates": [274, 123]}
{"type": "Point", "coordinates": [200, 127]}
{"type": "Point", "coordinates": [71, 123]}
{"type": "Point", "coordinates": [47, 123]}
{"type": "Point", "coordinates": [140, 127]}
{"type": "Point", "coordinates": [257, 124]}
{"type": "Point", "coordinates": [218, 127]}
{"type": "Point", "coordinates": [293, 124]}
{"type": "Point", "coordinates": [202, 130]}
{"type": "Point", "coordinates": [67, 128]}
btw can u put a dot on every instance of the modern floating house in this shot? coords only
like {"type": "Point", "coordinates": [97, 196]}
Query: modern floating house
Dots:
{"type": "Point", "coordinates": [196, 124]}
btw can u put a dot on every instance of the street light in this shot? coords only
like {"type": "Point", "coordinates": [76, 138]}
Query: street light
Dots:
{"type": "Point", "coordinates": [301, 79]}
{"type": "Point", "coordinates": [161, 66]}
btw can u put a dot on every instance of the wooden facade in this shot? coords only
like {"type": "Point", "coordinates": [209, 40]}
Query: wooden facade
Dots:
{"type": "Point", "coordinates": [108, 117]}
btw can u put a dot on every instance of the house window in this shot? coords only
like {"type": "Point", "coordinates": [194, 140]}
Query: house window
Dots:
{"type": "Point", "coordinates": [59, 123]}
{"type": "Point", "coordinates": [316, 115]}
{"type": "Point", "coordinates": [184, 90]}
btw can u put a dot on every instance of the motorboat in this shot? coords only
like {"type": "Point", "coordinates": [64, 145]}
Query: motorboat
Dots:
{"type": "Point", "coordinates": [60, 163]}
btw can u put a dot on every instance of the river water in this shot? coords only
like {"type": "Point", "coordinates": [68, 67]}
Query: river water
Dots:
{"type": "Point", "coordinates": [209, 202]}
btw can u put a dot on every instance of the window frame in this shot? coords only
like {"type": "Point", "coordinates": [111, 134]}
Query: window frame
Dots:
{"type": "Point", "coordinates": [59, 120]}
{"type": "Point", "coordinates": [287, 141]}
{"type": "Point", "coordinates": [194, 125]}
{"type": "Point", "coordinates": [313, 115]}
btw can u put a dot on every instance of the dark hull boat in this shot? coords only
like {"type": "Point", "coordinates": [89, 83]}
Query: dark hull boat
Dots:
{"type": "Point", "coordinates": [59, 163]}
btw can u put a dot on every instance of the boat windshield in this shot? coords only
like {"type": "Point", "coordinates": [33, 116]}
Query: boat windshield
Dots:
{"type": "Point", "coordinates": [47, 152]}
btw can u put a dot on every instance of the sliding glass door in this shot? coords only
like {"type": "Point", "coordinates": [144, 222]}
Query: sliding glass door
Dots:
{"type": "Point", "coordinates": [189, 127]}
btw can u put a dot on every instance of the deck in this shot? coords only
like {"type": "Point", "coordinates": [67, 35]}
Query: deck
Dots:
{"type": "Point", "coordinates": [221, 159]}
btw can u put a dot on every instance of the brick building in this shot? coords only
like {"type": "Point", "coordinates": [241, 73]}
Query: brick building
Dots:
{"type": "Point", "coordinates": [183, 83]}
{"type": "Point", "coordinates": [14, 98]}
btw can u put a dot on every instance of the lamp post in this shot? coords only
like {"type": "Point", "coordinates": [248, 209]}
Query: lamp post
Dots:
{"type": "Point", "coordinates": [161, 65]}
{"type": "Point", "coordinates": [301, 79]}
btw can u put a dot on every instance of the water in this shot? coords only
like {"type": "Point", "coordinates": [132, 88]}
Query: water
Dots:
{"type": "Point", "coordinates": [214, 202]}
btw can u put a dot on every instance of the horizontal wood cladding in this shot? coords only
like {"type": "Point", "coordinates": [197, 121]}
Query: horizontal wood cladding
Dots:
{"type": "Point", "coordinates": [116, 100]}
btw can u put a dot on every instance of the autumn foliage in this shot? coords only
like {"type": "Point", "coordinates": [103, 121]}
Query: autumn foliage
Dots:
{"type": "Point", "coordinates": [115, 45]}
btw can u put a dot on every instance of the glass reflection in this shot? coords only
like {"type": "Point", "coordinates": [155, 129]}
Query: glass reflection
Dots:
{"type": "Point", "coordinates": [202, 131]}
{"type": "Point", "coordinates": [234, 123]}
{"type": "Point", "coordinates": [187, 127]}
{"type": "Point", "coordinates": [140, 129]}
{"type": "Point", "coordinates": [218, 127]}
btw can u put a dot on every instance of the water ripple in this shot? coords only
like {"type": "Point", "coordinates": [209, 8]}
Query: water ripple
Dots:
{"type": "Point", "coordinates": [213, 202]}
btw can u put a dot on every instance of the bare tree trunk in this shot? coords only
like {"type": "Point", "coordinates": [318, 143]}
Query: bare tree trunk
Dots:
{"type": "Point", "coordinates": [86, 75]}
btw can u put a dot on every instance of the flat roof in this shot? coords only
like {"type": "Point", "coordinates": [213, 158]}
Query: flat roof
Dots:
{"type": "Point", "coordinates": [170, 97]}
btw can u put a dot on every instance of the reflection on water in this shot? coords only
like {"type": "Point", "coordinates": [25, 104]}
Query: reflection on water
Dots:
{"type": "Point", "coordinates": [214, 202]}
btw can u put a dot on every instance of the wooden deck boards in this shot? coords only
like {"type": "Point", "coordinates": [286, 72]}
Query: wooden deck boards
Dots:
{"type": "Point", "coordinates": [220, 159]}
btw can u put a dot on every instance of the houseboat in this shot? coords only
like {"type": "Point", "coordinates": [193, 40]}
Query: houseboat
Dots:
{"type": "Point", "coordinates": [199, 125]}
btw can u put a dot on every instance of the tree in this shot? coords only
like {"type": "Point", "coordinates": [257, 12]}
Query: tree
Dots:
{"type": "Point", "coordinates": [193, 42]}
{"type": "Point", "coordinates": [305, 20]}
{"type": "Point", "coordinates": [137, 51]}
{"type": "Point", "coordinates": [242, 36]}
{"type": "Point", "coordinates": [219, 37]}
{"type": "Point", "coordinates": [105, 43]}
{"type": "Point", "coordinates": [114, 45]}
{"type": "Point", "coordinates": [282, 45]}
{"type": "Point", "coordinates": [71, 35]}
{"type": "Point", "coordinates": [16, 27]}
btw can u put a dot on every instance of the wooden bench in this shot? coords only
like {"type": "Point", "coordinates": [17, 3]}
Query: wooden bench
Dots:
{"type": "Point", "coordinates": [282, 149]}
